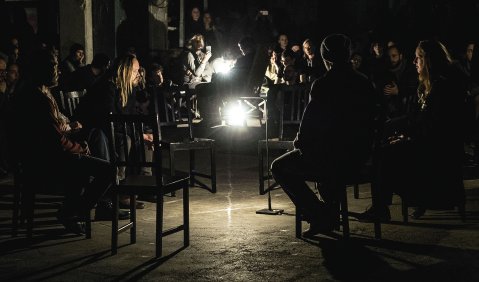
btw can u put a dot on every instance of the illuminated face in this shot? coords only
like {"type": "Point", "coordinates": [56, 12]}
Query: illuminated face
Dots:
{"type": "Point", "coordinates": [199, 44]}
{"type": "Point", "coordinates": [12, 73]}
{"type": "Point", "coordinates": [307, 49]}
{"type": "Point", "coordinates": [469, 52]}
{"type": "Point", "coordinates": [394, 57]}
{"type": "Point", "coordinates": [3, 70]}
{"type": "Point", "coordinates": [378, 49]}
{"type": "Point", "coordinates": [283, 41]}
{"type": "Point", "coordinates": [79, 55]}
{"type": "Point", "coordinates": [419, 60]}
{"type": "Point", "coordinates": [195, 14]}
{"type": "Point", "coordinates": [273, 56]}
{"type": "Point", "coordinates": [135, 73]}
{"type": "Point", "coordinates": [356, 61]}
{"type": "Point", "coordinates": [207, 18]}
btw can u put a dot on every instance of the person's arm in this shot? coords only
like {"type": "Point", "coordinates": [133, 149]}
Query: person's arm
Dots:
{"type": "Point", "coordinates": [198, 71]}
{"type": "Point", "coordinates": [56, 131]}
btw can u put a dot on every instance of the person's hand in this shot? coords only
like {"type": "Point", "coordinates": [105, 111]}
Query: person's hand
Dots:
{"type": "Point", "coordinates": [295, 48]}
{"type": "Point", "coordinates": [76, 125]}
{"type": "Point", "coordinates": [148, 137]}
{"type": "Point", "coordinates": [391, 89]}
{"type": "Point", "coordinates": [86, 149]}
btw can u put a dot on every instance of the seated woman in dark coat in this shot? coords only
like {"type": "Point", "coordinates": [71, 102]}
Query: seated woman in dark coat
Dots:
{"type": "Point", "coordinates": [427, 171]}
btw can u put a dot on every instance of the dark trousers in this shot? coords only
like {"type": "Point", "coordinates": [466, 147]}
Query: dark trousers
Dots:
{"type": "Point", "coordinates": [96, 173]}
{"type": "Point", "coordinates": [292, 170]}
{"type": "Point", "coordinates": [82, 179]}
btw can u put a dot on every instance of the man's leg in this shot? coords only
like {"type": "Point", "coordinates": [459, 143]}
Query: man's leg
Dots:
{"type": "Point", "coordinates": [291, 171]}
{"type": "Point", "coordinates": [101, 173]}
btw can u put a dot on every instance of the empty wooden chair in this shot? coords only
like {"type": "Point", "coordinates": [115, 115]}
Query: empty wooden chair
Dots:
{"type": "Point", "coordinates": [158, 184]}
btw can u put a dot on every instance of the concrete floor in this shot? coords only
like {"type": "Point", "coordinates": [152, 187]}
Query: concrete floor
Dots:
{"type": "Point", "coordinates": [230, 242]}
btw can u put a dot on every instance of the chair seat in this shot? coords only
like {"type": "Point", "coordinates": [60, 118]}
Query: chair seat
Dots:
{"type": "Point", "coordinates": [187, 144]}
{"type": "Point", "coordinates": [276, 144]}
{"type": "Point", "coordinates": [470, 172]}
{"type": "Point", "coordinates": [147, 184]}
{"type": "Point", "coordinates": [7, 182]}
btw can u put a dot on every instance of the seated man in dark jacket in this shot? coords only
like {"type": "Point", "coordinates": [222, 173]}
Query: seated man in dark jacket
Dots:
{"type": "Point", "coordinates": [334, 138]}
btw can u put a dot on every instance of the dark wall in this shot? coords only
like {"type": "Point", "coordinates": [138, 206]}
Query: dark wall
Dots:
{"type": "Point", "coordinates": [103, 27]}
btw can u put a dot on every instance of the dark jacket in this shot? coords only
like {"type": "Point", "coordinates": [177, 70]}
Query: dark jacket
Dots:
{"type": "Point", "coordinates": [438, 142]}
{"type": "Point", "coordinates": [337, 125]}
{"type": "Point", "coordinates": [101, 100]}
{"type": "Point", "coordinates": [39, 139]}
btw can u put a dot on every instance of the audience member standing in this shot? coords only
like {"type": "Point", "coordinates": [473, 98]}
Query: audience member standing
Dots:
{"type": "Point", "coordinates": [212, 35]}
{"type": "Point", "coordinates": [194, 24]}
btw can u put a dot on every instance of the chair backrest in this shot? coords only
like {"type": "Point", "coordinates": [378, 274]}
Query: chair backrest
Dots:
{"type": "Point", "coordinates": [295, 98]}
{"type": "Point", "coordinates": [129, 129]}
{"type": "Point", "coordinates": [70, 100]}
{"type": "Point", "coordinates": [176, 109]}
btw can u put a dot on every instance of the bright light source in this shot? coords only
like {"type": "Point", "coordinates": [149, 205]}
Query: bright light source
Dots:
{"type": "Point", "coordinates": [235, 114]}
{"type": "Point", "coordinates": [222, 66]}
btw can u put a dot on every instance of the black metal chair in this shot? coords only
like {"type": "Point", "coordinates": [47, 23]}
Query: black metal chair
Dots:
{"type": "Point", "coordinates": [158, 184]}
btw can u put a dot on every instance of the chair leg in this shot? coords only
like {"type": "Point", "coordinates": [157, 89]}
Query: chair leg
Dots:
{"type": "Point", "coordinates": [16, 209]}
{"type": "Point", "coordinates": [344, 214]}
{"type": "Point", "coordinates": [172, 166]}
{"type": "Point", "coordinates": [404, 211]}
{"type": "Point", "coordinates": [192, 168]}
{"type": "Point", "coordinates": [88, 224]}
{"type": "Point", "coordinates": [462, 211]}
{"type": "Point", "coordinates": [186, 216]}
{"type": "Point", "coordinates": [114, 224]}
{"type": "Point", "coordinates": [159, 224]}
{"type": "Point", "coordinates": [377, 221]}
{"type": "Point", "coordinates": [28, 204]}
{"type": "Point", "coordinates": [298, 223]}
{"type": "Point", "coordinates": [356, 191]}
{"type": "Point", "coordinates": [213, 168]}
{"type": "Point", "coordinates": [133, 218]}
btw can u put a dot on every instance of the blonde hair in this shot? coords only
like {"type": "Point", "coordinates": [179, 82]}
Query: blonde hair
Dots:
{"type": "Point", "coordinates": [436, 60]}
{"type": "Point", "coordinates": [122, 78]}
